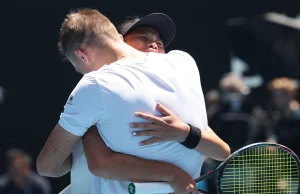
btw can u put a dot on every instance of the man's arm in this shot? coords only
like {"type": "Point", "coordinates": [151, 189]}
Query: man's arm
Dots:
{"type": "Point", "coordinates": [105, 163]}
{"type": "Point", "coordinates": [55, 159]}
{"type": "Point", "coordinates": [82, 110]}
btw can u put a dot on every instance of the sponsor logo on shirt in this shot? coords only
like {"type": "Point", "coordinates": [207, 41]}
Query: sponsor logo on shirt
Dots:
{"type": "Point", "coordinates": [70, 100]}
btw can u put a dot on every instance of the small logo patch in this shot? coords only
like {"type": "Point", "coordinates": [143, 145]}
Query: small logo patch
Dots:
{"type": "Point", "coordinates": [70, 100]}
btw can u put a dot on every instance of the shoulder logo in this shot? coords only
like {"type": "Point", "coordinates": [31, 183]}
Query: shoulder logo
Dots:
{"type": "Point", "coordinates": [70, 100]}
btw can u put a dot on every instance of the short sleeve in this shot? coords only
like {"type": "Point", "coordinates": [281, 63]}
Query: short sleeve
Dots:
{"type": "Point", "coordinates": [83, 108]}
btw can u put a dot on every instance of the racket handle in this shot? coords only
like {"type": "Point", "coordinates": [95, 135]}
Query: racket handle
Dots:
{"type": "Point", "coordinates": [150, 188]}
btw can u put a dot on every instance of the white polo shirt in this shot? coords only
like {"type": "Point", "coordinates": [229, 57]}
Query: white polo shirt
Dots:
{"type": "Point", "coordinates": [110, 96]}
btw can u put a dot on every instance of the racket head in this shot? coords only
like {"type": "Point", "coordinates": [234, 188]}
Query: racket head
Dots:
{"type": "Point", "coordinates": [260, 168]}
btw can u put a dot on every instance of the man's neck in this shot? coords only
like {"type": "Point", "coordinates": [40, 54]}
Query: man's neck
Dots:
{"type": "Point", "coordinates": [120, 51]}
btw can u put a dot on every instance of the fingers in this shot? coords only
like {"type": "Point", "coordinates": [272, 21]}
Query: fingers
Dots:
{"type": "Point", "coordinates": [163, 110]}
{"type": "Point", "coordinates": [193, 190]}
{"type": "Point", "coordinates": [144, 126]}
{"type": "Point", "coordinates": [146, 133]}
{"type": "Point", "coordinates": [152, 140]}
{"type": "Point", "coordinates": [149, 117]}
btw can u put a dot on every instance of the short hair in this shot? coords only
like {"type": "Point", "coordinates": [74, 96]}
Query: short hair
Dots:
{"type": "Point", "coordinates": [17, 153]}
{"type": "Point", "coordinates": [283, 83]}
{"type": "Point", "coordinates": [86, 27]}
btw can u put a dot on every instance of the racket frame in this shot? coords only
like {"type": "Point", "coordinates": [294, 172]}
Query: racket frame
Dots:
{"type": "Point", "coordinates": [222, 166]}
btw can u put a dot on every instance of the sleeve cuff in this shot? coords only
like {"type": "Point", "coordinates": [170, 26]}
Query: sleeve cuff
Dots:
{"type": "Point", "coordinates": [71, 129]}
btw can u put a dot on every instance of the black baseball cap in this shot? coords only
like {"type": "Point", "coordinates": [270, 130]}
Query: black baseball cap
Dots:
{"type": "Point", "coordinates": [160, 22]}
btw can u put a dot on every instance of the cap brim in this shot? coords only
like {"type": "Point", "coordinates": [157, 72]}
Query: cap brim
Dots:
{"type": "Point", "coordinates": [160, 22]}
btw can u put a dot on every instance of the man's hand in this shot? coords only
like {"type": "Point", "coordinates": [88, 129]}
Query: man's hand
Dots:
{"type": "Point", "coordinates": [166, 128]}
{"type": "Point", "coordinates": [182, 183]}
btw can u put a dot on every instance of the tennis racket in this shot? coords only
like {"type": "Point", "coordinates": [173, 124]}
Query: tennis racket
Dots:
{"type": "Point", "coordinates": [259, 168]}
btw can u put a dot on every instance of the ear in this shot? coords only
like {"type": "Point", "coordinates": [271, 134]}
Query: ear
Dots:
{"type": "Point", "coordinates": [81, 55]}
{"type": "Point", "coordinates": [121, 36]}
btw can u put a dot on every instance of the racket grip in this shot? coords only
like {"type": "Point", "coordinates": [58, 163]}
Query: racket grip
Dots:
{"type": "Point", "coordinates": [150, 188]}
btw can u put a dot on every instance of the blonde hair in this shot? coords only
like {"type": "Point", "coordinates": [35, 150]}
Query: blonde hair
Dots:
{"type": "Point", "coordinates": [85, 27]}
{"type": "Point", "coordinates": [283, 83]}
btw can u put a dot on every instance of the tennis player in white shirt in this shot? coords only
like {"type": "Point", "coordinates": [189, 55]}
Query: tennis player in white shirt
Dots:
{"type": "Point", "coordinates": [133, 82]}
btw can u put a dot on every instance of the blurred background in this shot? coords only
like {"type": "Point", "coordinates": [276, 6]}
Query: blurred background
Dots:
{"type": "Point", "coordinates": [248, 54]}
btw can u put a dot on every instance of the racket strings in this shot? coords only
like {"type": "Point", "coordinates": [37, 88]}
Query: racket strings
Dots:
{"type": "Point", "coordinates": [261, 170]}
